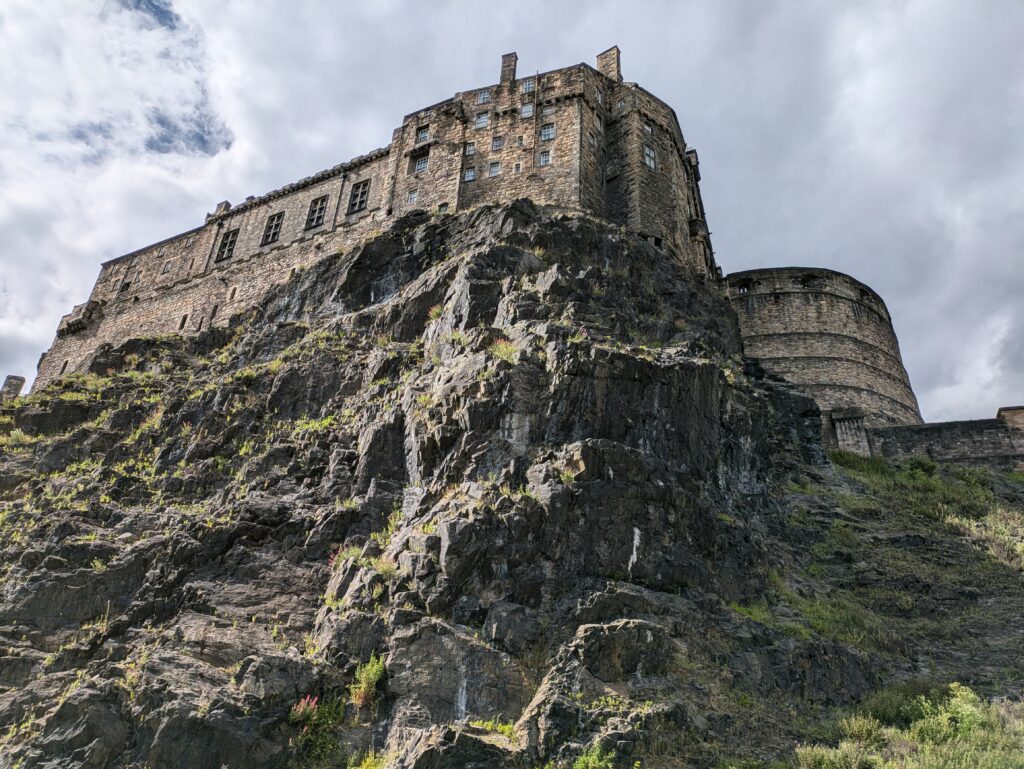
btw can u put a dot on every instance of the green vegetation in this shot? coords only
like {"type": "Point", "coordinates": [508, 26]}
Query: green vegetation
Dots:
{"type": "Point", "coordinates": [363, 691]}
{"type": "Point", "coordinates": [506, 729]}
{"type": "Point", "coordinates": [17, 440]}
{"type": "Point", "coordinates": [370, 760]}
{"type": "Point", "coordinates": [594, 758]}
{"type": "Point", "coordinates": [306, 426]}
{"type": "Point", "coordinates": [316, 746]}
{"type": "Point", "coordinates": [918, 488]}
{"type": "Point", "coordinates": [949, 728]}
{"type": "Point", "coordinates": [504, 349]}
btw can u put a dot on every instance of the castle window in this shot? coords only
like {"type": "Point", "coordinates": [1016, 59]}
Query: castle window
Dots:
{"type": "Point", "coordinates": [422, 133]}
{"type": "Point", "coordinates": [620, 104]}
{"type": "Point", "coordinates": [227, 245]}
{"type": "Point", "coordinates": [184, 320]}
{"type": "Point", "coordinates": [497, 143]}
{"type": "Point", "coordinates": [360, 195]}
{"type": "Point", "coordinates": [213, 313]}
{"type": "Point", "coordinates": [63, 368]}
{"type": "Point", "coordinates": [526, 110]}
{"type": "Point", "coordinates": [650, 159]}
{"type": "Point", "coordinates": [591, 138]}
{"type": "Point", "coordinates": [272, 231]}
{"type": "Point", "coordinates": [419, 162]}
{"type": "Point", "coordinates": [190, 240]}
{"type": "Point", "coordinates": [544, 158]}
{"type": "Point", "coordinates": [411, 196]}
{"type": "Point", "coordinates": [517, 168]}
{"type": "Point", "coordinates": [494, 168]}
{"type": "Point", "coordinates": [469, 175]}
{"type": "Point", "coordinates": [482, 120]}
{"type": "Point", "coordinates": [443, 208]}
{"type": "Point", "coordinates": [547, 132]}
{"type": "Point", "coordinates": [470, 148]}
{"type": "Point", "coordinates": [548, 110]}
{"type": "Point", "coordinates": [599, 123]}
{"type": "Point", "coordinates": [125, 286]}
{"type": "Point", "coordinates": [317, 210]}
{"type": "Point", "coordinates": [232, 293]}
{"type": "Point", "coordinates": [529, 85]}
{"type": "Point", "coordinates": [166, 268]}
{"type": "Point", "coordinates": [519, 141]}
{"type": "Point", "coordinates": [600, 97]}
{"type": "Point", "coordinates": [483, 97]}
{"type": "Point", "coordinates": [648, 129]}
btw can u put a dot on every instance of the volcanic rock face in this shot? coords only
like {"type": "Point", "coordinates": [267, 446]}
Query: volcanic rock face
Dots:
{"type": "Point", "coordinates": [513, 454]}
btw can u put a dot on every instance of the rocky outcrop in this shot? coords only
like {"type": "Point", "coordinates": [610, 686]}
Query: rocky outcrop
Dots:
{"type": "Point", "coordinates": [490, 490]}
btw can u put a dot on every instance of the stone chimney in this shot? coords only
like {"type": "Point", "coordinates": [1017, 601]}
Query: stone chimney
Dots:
{"type": "Point", "coordinates": [12, 387]}
{"type": "Point", "coordinates": [508, 67]}
{"type": "Point", "coordinates": [222, 208]}
{"type": "Point", "coordinates": [608, 64]}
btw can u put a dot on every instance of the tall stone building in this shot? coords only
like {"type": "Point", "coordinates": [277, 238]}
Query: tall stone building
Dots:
{"type": "Point", "coordinates": [579, 138]}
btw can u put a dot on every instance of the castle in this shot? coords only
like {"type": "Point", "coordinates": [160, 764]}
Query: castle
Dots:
{"type": "Point", "coordinates": [578, 138]}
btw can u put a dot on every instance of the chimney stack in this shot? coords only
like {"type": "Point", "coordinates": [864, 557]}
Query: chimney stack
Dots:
{"type": "Point", "coordinates": [508, 67]}
{"type": "Point", "coordinates": [608, 64]}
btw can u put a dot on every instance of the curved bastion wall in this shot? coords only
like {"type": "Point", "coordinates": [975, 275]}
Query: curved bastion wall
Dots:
{"type": "Point", "coordinates": [831, 336]}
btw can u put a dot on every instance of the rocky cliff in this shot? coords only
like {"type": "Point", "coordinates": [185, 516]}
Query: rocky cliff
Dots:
{"type": "Point", "coordinates": [491, 490]}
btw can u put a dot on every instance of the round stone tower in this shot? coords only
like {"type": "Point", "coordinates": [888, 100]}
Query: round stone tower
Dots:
{"type": "Point", "coordinates": [832, 337]}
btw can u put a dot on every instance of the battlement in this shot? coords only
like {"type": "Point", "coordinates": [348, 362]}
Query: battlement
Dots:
{"type": "Point", "coordinates": [577, 137]}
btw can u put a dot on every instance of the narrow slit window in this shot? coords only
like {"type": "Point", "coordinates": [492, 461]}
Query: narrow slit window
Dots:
{"type": "Point", "coordinates": [184, 320]}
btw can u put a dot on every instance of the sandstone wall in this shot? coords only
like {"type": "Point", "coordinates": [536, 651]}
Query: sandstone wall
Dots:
{"type": "Point", "coordinates": [830, 335]}
{"type": "Point", "coordinates": [988, 442]}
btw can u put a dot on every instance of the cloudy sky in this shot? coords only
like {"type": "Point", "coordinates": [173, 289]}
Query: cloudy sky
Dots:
{"type": "Point", "coordinates": [881, 138]}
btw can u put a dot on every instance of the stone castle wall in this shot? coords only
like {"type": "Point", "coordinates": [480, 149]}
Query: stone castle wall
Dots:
{"type": "Point", "coordinates": [994, 443]}
{"type": "Point", "coordinates": [828, 334]}
{"type": "Point", "coordinates": [574, 137]}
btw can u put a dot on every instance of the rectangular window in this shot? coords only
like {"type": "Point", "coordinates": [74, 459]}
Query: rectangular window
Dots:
{"type": "Point", "coordinates": [470, 148]}
{"type": "Point", "coordinates": [600, 97]}
{"type": "Point", "coordinates": [547, 132]}
{"type": "Point", "coordinates": [517, 168]}
{"type": "Point", "coordinates": [529, 85]}
{"type": "Point", "coordinates": [648, 129]}
{"type": "Point", "coordinates": [422, 133]}
{"type": "Point", "coordinates": [166, 268]}
{"type": "Point", "coordinates": [359, 197]}
{"type": "Point", "coordinates": [483, 97]}
{"type": "Point", "coordinates": [527, 110]}
{"type": "Point", "coordinates": [519, 141]}
{"type": "Point", "coordinates": [273, 229]}
{"type": "Point", "coordinates": [591, 138]}
{"type": "Point", "coordinates": [599, 123]}
{"type": "Point", "coordinates": [317, 209]}
{"type": "Point", "coordinates": [411, 196]}
{"type": "Point", "coordinates": [421, 163]}
{"type": "Point", "coordinates": [494, 168]}
{"type": "Point", "coordinates": [620, 104]}
{"type": "Point", "coordinates": [544, 159]}
{"type": "Point", "coordinates": [226, 249]}
{"type": "Point", "coordinates": [469, 175]}
{"type": "Point", "coordinates": [549, 110]}
{"type": "Point", "coordinates": [482, 120]}
{"type": "Point", "coordinates": [649, 157]}
{"type": "Point", "coordinates": [497, 143]}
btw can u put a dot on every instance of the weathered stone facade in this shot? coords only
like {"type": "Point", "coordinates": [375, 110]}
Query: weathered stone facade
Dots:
{"type": "Point", "coordinates": [829, 334]}
{"type": "Point", "coordinates": [576, 137]}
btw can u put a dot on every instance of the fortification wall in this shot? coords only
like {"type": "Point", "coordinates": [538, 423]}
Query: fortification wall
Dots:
{"type": "Point", "coordinates": [828, 334]}
{"type": "Point", "coordinates": [992, 443]}
{"type": "Point", "coordinates": [576, 137]}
